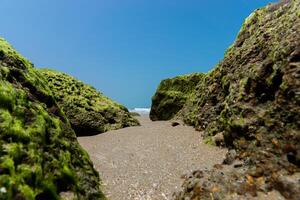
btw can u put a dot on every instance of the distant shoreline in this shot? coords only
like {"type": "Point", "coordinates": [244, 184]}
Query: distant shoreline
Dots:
{"type": "Point", "coordinates": [141, 111]}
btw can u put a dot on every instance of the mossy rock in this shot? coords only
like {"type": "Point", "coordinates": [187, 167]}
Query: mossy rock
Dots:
{"type": "Point", "coordinates": [40, 157]}
{"type": "Point", "coordinates": [89, 111]}
{"type": "Point", "coordinates": [256, 84]}
{"type": "Point", "coordinates": [252, 97]}
{"type": "Point", "coordinates": [172, 94]}
{"type": "Point", "coordinates": [135, 114]}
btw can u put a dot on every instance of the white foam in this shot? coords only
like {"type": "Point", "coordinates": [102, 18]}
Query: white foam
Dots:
{"type": "Point", "coordinates": [141, 111]}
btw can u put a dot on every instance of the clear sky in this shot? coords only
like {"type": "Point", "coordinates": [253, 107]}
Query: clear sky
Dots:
{"type": "Point", "coordinates": [124, 47]}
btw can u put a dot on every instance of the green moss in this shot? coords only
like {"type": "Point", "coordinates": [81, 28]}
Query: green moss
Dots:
{"type": "Point", "coordinates": [27, 192]}
{"type": "Point", "coordinates": [16, 132]}
{"type": "Point", "coordinates": [15, 151]}
{"type": "Point", "coordinates": [40, 156]}
{"type": "Point", "coordinates": [5, 119]}
{"type": "Point", "coordinates": [7, 50]}
{"type": "Point", "coordinates": [172, 94]}
{"type": "Point", "coordinates": [7, 163]}
{"type": "Point", "coordinates": [89, 111]}
{"type": "Point", "coordinates": [7, 95]}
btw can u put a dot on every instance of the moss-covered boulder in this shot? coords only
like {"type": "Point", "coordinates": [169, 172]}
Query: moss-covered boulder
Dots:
{"type": "Point", "coordinates": [172, 94]}
{"type": "Point", "coordinates": [89, 111]}
{"type": "Point", "coordinates": [40, 157]}
{"type": "Point", "coordinates": [251, 99]}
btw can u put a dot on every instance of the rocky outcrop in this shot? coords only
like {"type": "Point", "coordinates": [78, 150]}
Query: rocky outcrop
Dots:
{"type": "Point", "coordinates": [172, 94]}
{"type": "Point", "coordinates": [251, 101]}
{"type": "Point", "coordinates": [89, 111]}
{"type": "Point", "coordinates": [40, 157]}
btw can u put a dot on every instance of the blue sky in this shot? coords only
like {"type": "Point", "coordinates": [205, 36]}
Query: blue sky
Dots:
{"type": "Point", "coordinates": [124, 47]}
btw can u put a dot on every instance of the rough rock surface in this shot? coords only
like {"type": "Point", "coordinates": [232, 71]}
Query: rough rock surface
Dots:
{"type": "Point", "coordinates": [172, 94]}
{"type": "Point", "coordinates": [252, 101]}
{"type": "Point", "coordinates": [40, 157]}
{"type": "Point", "coordinates": [89, 111]}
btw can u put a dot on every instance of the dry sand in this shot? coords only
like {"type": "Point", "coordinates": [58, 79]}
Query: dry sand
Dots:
{"type": "Point", "coordinates": [147, 162]}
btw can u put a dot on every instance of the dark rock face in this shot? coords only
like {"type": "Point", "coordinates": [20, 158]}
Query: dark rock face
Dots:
{"type": "Point", "coordinates": [40, 157]}
{"type": "Point", "coordinates": [252, 97]}
{"type": "Point", "coordinates": [172, 94]}
{"type": "Point", "coordinates": [89, 111]}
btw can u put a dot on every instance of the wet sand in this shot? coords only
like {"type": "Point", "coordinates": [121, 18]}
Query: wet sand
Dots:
{"type": "Point", "coordinates": [148, 161]}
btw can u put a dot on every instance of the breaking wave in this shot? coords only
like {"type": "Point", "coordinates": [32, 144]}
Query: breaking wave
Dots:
{"type": "Point", "coordinates": [141, 111]}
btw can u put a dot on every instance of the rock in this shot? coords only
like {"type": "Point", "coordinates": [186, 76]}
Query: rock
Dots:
{"type": "Point", "coordinates": [67, 195]}
{"type": "Point", "coordinates": [175, 124]}
{"type": "Point", "coordinates": [172, 94]}
{"type": "Point", "coordinates": [252, 96]}
{"type": "Point", "coordinates": [89, 111]}
{"type": "Point", "coordinates": [135, 114]}
{"type": "Point", "coordinates": [230, 157]}
{"type": "Point", "coordinates": [218, 139]}
{"type": "Point", "coordinates": [40, 157]}
{"type": "Point", "coordinates": [288, 186]}
{"type": "Point", "coordinates": [294, 157]}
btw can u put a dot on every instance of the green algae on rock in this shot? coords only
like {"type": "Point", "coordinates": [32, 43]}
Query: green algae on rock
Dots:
{"type": "Point", "coordinates": [252, 99]}
{"type": "Point", "coordinates": [172, 94]}
{"type": "Point", "coordinates": [40, 157]}
{"type": "Point", "coordinates": [89, 111]}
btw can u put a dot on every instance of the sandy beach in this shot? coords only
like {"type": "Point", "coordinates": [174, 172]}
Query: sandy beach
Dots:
{"type": "Point", "coordinates": [148, 161]}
